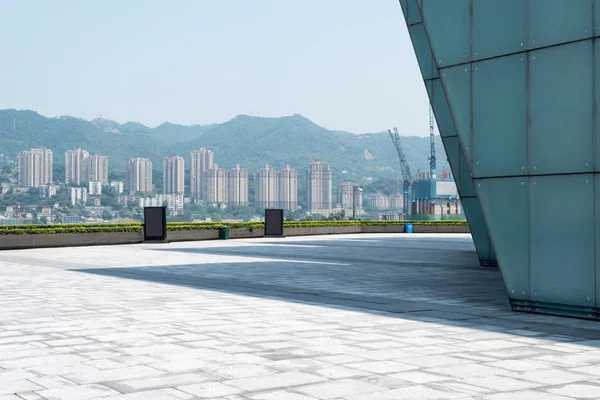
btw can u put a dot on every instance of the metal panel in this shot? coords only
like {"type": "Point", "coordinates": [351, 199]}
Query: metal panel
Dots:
{"type": "Point", "coordinates": [562, 239]}
{"type": "Point", "coordinates": [553, 22]}
{"type": "Point", "coordinates": [449, 27]}
{"type": "Point", "coordinates": [440, 108]}
{"type": "Point", "coordinates": [500, 117]}
{"type": "Point", "coordinates": [561, 93]}
{"type": "Point", "coordinates": [479, 228]}
{"type": "Point", "coordinates": [597, 99]}
{"type": "Point", "coordinates": [499, 27]}
{"type": "Point", "coordinates": [457, 84]}
{"type": "Point", "coordinates": [505, 203]}
{"type": "Point", "coordinates": [423, 51]}
{"type": "Point", "coordinates": [597, 236]}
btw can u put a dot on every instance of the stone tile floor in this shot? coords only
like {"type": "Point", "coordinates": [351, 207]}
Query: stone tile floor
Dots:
{"type": "Point", "coordinates": [339, 317]}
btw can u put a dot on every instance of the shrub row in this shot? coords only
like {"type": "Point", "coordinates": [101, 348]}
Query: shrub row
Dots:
{"type": "Point", "coordinates": [182, 226]}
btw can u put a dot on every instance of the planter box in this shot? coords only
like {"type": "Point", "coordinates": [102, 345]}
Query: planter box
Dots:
{"type": "Point", "coordinates": [8, 242]}
{"type": "Point", "coordinates": [245, 233]}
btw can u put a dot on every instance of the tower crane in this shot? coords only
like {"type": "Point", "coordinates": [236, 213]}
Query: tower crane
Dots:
{"type": "Point", "coordinates": [432, 160]}
{"type": "Point", "coordinates": [407, 177]}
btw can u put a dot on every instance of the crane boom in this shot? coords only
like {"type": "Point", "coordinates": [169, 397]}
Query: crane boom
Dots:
{"type": "Point", "coordinates": [432, 160]}
{"type": "Point", "coordinates": [407, 177]}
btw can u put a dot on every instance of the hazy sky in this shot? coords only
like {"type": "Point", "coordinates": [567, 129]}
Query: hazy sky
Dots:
{"type": "Point", "coordinates": [345, 64]}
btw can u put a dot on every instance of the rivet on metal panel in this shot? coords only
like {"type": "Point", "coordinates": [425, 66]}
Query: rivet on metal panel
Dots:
{"type": "Point", "coordinates": [586, 30]}
{"type": "Point", "coordinates": [535, 294]}
{"type": "Point", "coordinates": [477, 162]}
{"type": "Point", "coordinates": [533, 41]}
{"type": "Point", "coordinates": [534, 183]}
{"type": "Point", "coordinates": [522, 168]}
{"type": "Point", "coordinates": [476, 53]}
{"type": "Point", "coordinates": [466, 69]}
{"type": "Point", "coordinates": [523, 292]}
{"type": "Point", "coordinates": [466, 56]}
{"type": "Point", "coordinates": [534, 167]}
{"type": "Point", "coordinates": [587, 164]}
{"type": "Point", "coordinates": [586, 46]}
{"type": "Point", "coordinates": [479, 185]}
{"type": "Point", "coordinates": [533, 57]}
{"type": "Point", "coordinates": [522, 59]}
{"type": "Point", "coordinates": [587, 181]}
{"type": "Point", "coordinates": [439, 61]}
{"type": "Point", "coordinates": [521, 43]}
{"type": "Point", "coordinates": [476, 68]}
{"type": "Point", "coordinates": [522, 183]}
{"type": "Point", "coordinates": [467, 148]}
{"type": "Point", "coordinates": [588, 299]}
{"type": "Point", "coordinates": [444, 74]}
{"type": "Point", "coordinates": [512, 291]}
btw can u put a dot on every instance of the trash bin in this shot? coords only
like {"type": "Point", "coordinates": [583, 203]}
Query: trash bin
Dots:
{"type": "Point", "coordinates": [223, 232]}
{"type": "Point", "coordinates": [408, 227]}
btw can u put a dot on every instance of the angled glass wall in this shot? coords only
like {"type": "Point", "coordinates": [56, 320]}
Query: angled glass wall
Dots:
{"type": "Point", "coordinates": [521, 80]}
{"type": "Point", "coordinates": [449, 135]}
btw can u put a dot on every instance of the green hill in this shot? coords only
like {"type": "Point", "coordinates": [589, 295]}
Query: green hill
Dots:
{"type": "Point", "coordinates": [249, 141]}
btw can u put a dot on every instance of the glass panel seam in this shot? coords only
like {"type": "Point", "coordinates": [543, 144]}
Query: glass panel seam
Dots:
{"type": "Point", "coordinates": [528, 144]}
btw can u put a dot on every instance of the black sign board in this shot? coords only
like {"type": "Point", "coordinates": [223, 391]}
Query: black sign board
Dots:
{"type": "Point", "coordinates": [155, 223]}
{"type": "Point", "coordinates": [273, 222]}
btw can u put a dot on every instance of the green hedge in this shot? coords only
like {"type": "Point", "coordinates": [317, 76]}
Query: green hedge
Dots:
{"type": "Point", "coordinates": [185, 226]}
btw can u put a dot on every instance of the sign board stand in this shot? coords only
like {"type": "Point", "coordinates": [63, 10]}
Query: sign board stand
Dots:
{"type": "Point", "coordinates": [274, 223]}
{"type": "Point", "coordinates": [155, 224]}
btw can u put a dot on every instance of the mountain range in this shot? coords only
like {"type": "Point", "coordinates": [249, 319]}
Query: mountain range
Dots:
{"type": "Point", "coordinates": [249, 141]}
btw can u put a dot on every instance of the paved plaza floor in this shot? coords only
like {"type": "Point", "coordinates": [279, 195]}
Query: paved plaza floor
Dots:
{"type": "Point", "coordinates": [358, 317]}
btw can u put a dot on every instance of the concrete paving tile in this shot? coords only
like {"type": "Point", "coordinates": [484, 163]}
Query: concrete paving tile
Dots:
{"type": "Point", "coordinates": [210, 389]}
{"type": "Point", "coordinates": [274, 381]}
{"type": "Point", "coordinates": [158, 382]}
{"type": "Point", "coordinates": [10, 387]}
{"type": "Point", "coordinates": [382, 367]}
{"type": "Point", "coordinates": [577, 390]}
{"type": "Point", "coordinates": [84, 392]}
{"type": "Point", "coordinates": [525, 395]}
{"type": "Point", "coordinates": [418, 377]}
{"type": "Point", "coordinates": [409, 393]}
{"type": "Point", "coordinates": [279, 395]}
{"type": "Point", "coordinates": [338, 388]}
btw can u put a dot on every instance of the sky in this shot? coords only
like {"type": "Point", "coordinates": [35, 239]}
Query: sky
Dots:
{"type": "Point", "coordinates": [345, 64]}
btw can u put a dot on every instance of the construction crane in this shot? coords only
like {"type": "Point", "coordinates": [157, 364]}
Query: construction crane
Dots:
{"type": "Point", "coordinates": [407, 178]}
{"type": "Point", "coordinates": [432, 160]}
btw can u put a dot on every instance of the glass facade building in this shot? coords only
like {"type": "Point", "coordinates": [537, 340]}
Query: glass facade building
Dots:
{"type": "Point", "coordinates": [514, 86]}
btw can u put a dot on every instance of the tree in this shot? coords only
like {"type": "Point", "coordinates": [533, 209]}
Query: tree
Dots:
{"type": "Point", "coordinates": [106, 216]}
{"type": "Point", "coordinates": [43, 220]}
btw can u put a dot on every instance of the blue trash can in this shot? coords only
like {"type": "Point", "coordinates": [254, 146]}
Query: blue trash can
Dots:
{"type": "Point", "coordinates": [408, 228]}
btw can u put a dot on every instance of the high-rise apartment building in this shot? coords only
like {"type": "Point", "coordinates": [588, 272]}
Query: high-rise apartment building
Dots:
{"type": "Point", "coordinates": [78, 196]}
{"type": "Point", "coordinates": [139, 175]}
{"type": "Point", "coordinates": [97, 169]}
{"type": "Point", "coordinates": [95, 188]}
{"type": "Point", "coordinates": [319, 179]}
{"type": "Point", "coordinates": [395, 201]}
{"type": "Point", "coordinates": [173, 175]}
{"type": "Point", "coordinates": [216, 185]}
{"type": "Point", "coordinates": [237, 186]}
{"type": "Point", "coordinates": [350, 196]}
{"type": "Point", "coordinates": [287, 188]}
{"type": "Point", "coordinates": [76, 166]}
{"type": "Point", "coordinates": [117, 186]}
{"type": "Point", "coordinates": [35, 167]}
{"type": "Point", "coordinates": [266, 187]}
{"type": "Point", "coordinates": [201, 160]}
{"type": "Point", "coordinates": [378, 200]}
